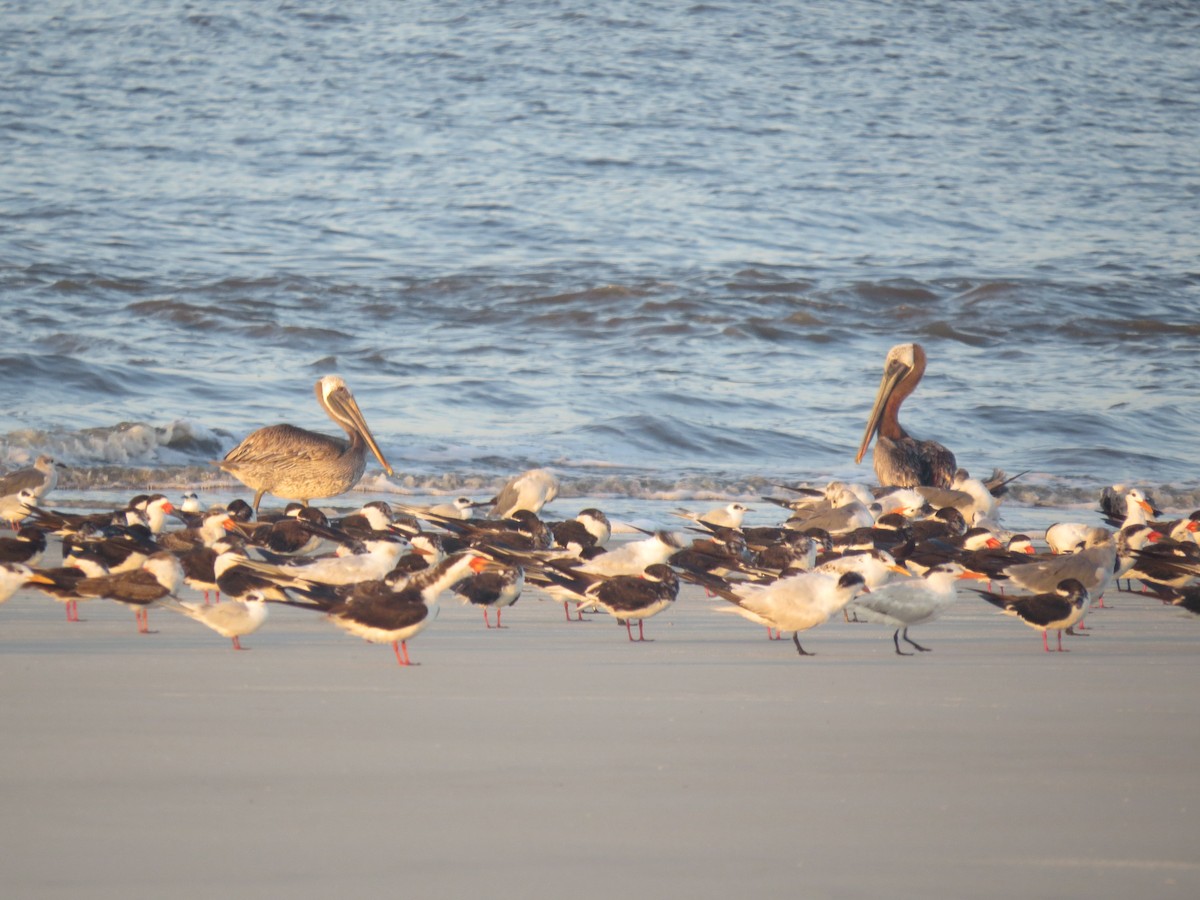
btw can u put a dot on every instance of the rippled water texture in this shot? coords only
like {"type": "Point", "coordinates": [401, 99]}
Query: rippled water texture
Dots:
{"type": "Point", "coordinates": [649, 244]}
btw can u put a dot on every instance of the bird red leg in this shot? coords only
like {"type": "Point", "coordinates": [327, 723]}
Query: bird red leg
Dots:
{"type": "Point", "coordinates": [485, 618]}
{"type": "Point", "coordinates": [498, 625]}
{"type": "Point", "coordinates": [237, 644]}
{"type": "Point", "coordinates": [402, 660]}
{"type": "Point", "coordinates": [1060, 646]}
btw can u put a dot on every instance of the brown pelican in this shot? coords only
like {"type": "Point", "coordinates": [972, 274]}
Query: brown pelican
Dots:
{"type": "Point", "coordinates": [901, 460]}
{"type": "Point", "coordinates": [296, 464]}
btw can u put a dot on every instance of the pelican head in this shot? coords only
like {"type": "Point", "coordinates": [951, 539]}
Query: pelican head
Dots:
{"type": "Point", "coordinates": [903, 368]}
{"type": "Point", "coordinates": [336, 399]}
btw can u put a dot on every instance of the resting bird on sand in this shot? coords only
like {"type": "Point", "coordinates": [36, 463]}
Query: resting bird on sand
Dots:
{"type": "Point", "coordinates": [901, 460]}
{"type": "Point", "coordinates": [295, 464]}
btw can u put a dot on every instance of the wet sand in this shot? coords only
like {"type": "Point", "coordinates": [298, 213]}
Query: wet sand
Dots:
{"type": "Point", "coordinates": [551, 759]}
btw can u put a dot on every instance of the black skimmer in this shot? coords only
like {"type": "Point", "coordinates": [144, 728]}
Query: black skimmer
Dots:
{"type": "Point", "coordinates": [590, 528]}
{"type": "Point", "coordinates": [723, 553]}
{"type": "Point", "coordinates": [495, 586]}
{"type": "Point", "coordinates": [119, 550]}
{"type": "Point", "coordinates": [1058, 609]}
{"type": "Point", "coordinates": [159, 576]}
{"type": "Point", "coordinates": [27, 546]}
{"type": "Point", "coordinates": [381, 614]}
{"type": "Point", "coordinates": [376, 515]}
{"type": "Point", "coordinates": [200, 564]}
{"type": "Point", "coordinates": [297, 464]}
{"type": "Point", "coordinates": [189, 504]}
{"type": "Point", "coordinates": [901, 460]}
{"type": "Point", "coordinates": [59, 584]}
{"type": "Point", "coordinates": [629, 597]}
{"type": "Point", "coordinates": [298, 532]}
{"type": "Point", "coordinates": [1119, 503]}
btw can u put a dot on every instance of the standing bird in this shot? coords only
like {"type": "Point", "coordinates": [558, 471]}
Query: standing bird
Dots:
{"type": "Point", "coordinates": [158, 577]}
{"type": "Point", "coordinates": [628, 597]}
{"type": "Point", "coordinates": [1058, 609]}
{"type": "Point", "coordinates": [495, 586]}
{"type": "Point", "coordinates": [296, 464]}
{"type": "Point", "coordinates": [381, 614]}
{"type": "Point", "coordinates": [795, 603]}
{"type": "Point", "coordinates": [40, 478]}
{"type": "Point", "coordinates": [530, 490]}
{"type": "Point", "coordinates": [901, 460]}
{"type": "Point", "coordinates": [231, 620]}
{"type": "Point", "coordinates": [912, 601]}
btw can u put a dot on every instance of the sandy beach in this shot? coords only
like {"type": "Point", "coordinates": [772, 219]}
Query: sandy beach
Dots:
{"type": "Point", "coordinates": [551, 759]}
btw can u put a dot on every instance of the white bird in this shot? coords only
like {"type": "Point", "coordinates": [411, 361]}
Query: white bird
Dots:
{"type": "Point", "coordinates": [796, 603]}
{"type": "Point", "coordinates": [908, 502]}
{"type": "Point", "coordinates": [1094, 566]}
{"type": "Point", "coordinates": [40, 478]}
{"type": "Point", "coordinates": [530, 490]}
{"type": "Point", "coordinates": [458, 508]}
{"type": "Point", "coordinates": [1066, 537]}
{"type": "Point", "coordinates": [728, 516]}
{"type": "Point", "coordinates": [190, 503]}
{"type": "Point", "coordinates": [371, 560]}
{"type": "Point", "coordinates": [877, 567]}
{"type": "Point", "coordinates": [910, 601]}
{"type": "Point", "coordinates": [846, 512]}
{"type": "Point", "coordinates": [634, 557]}
{"type": "Point", "coordinates": [14, 508]}
{"type": "Point", "coordinates": [232, 619]}
{"type": "Point", "coordinates": [14, 576]}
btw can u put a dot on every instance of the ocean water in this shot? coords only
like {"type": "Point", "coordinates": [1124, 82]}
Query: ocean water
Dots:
{"type": "Point", "coordinates": [659, 247]}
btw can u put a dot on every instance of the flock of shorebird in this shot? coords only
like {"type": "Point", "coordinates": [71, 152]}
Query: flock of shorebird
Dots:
{"type": "Point", "coordinates": [894, 554]}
